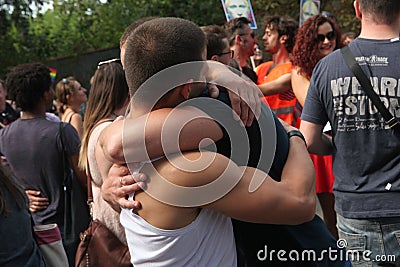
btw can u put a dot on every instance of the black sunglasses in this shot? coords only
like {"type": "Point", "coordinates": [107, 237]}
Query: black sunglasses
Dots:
{"type": "Point", "coordinates": [117, 60]}
{"type": "Point", "coordinates": [330, 36]}
{"type": "Point", "coordinates": [231, 52]}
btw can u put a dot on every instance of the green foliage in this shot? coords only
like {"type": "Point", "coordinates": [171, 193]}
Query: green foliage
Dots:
{"type": "Point", "coordinates": [76, 26]}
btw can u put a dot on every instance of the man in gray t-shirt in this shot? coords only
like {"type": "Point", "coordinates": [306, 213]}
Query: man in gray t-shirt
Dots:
{"type": "Point", "coordinates": [33, 146]}
{"type": "Point", "coordinates": [366, 158]}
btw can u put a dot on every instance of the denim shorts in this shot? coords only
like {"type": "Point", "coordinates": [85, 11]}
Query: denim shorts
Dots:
{"type": "Point", "coordinates": [371, 242]}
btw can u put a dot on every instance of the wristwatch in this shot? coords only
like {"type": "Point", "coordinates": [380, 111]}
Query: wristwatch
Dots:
{"type": "Point", "coordinates": [296, 133]}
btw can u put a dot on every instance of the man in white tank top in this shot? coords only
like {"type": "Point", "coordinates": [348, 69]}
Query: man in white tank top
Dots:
{"type": "Point", "coordinates": [174, 227]}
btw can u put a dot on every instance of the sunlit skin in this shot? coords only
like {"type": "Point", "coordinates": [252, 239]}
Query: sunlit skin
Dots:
{"type": "Point", "coordinates": [79, 95]}
{"type": "Point", "coordinates": [249, 41]}
{"type": "Point", "coordinates": [271, 40]}
{"type": "Point", "coordinates": [326, 47]}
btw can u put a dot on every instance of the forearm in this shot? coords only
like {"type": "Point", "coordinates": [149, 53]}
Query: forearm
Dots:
{"type": "Point", "coordinates": [323, 147]}
{"type": "Point", "coordinates": [317, 142]}
{"type": "Point", "coordinates": [298, 175]}
{"type": "Point", "coordinates": [148, 137]}
{"type": "Point", "coordinates": [277, 86]}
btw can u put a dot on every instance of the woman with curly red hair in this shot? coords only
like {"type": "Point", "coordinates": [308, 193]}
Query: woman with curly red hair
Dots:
{"type": "Point", "coordinates": [317, 37]}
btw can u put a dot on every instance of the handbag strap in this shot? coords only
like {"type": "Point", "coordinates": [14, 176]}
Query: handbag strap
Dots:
{"type": "Point", "coordinates": [348, 56]}
{"type": "Point", "coordinates": [89, 189]}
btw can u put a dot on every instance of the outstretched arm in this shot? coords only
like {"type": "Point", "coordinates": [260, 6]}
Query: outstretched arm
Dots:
{"type": "Point", "coordinates": [282, 84]}
{"type": "Point", "coordinates": [318, 142]}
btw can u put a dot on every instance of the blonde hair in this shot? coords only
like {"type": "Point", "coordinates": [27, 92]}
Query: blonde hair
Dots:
{"type": "Point", "coordinates": [63, 88]}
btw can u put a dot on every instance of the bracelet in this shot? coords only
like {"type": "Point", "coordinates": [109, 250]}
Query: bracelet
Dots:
{"type": "Point", "coordinates": [296, 133]}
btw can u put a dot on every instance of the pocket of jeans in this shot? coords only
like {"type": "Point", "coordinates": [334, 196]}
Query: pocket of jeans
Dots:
{"type": "Point", "coordinates": [397, 235]}
{"type": "Point", "coordinates": [355, 246]}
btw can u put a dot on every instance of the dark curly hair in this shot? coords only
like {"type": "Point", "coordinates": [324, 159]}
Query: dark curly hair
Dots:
{"type": "Point", "coordinates": [26, 84]}
{"type": "Point", "coordinates": [305, 53]}
{"type": "Point", "coordinates": [284, 25]}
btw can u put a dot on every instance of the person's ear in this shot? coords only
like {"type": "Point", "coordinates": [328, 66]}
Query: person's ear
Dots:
{"type": "Point", "coordinates": [283, 39]}
{"type": "Point", "coordinates": [357, 9]}
{"type": "Point", "coordinates": [185, 90]}
{"type": "Point", "coordinates": [214, 58]}
{"type": "Point", "coordinates": [239, 39]}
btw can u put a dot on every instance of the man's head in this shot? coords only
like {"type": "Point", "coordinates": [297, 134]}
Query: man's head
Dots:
{"type": "Point", "coordinates": [279, 31]}
{"type": "Point", "coordinates": [128, 30]}
{"type": "Point", "coordinates": [242, 38]}
{"type": "Point", "coordinates": [381, 12]}
{"type": "Point", "coordinates": [29, 85]}
{"type": "Point", "coordinates": [217, 44]}
{"type": "Point", "coordinates": [161, 43]}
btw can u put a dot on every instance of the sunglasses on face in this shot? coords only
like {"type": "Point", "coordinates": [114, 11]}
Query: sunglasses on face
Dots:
{"type": "Point", "coordinates": [330, 36]}
{"type": "Point", "coordinates": [230, 52]}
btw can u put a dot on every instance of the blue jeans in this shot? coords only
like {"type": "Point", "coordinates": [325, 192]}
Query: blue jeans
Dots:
{"type": "Point", "coordinates": [371, 242]}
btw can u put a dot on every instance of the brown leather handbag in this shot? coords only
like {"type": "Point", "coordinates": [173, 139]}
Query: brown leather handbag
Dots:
{"type": "Point", "coordinates": [99, 246]}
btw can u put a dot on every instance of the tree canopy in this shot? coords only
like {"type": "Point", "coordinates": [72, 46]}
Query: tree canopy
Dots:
{"type": "Point", "coordinates": [72, 27]}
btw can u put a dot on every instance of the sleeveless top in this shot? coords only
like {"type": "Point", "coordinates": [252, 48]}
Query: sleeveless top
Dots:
{"type": "Point", "coordinates": [102, 211]}
{"type": "Point", "coordinates": [207, 241]}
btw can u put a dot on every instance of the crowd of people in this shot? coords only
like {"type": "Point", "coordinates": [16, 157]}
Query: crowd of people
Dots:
{"type": "Point", "coordinates": [189, 166]}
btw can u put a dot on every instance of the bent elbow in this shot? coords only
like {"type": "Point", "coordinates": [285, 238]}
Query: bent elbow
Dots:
{"type": "Point", "coordinates": [306, 208]}
{"type": "Point", "coordinates": [112, 151]}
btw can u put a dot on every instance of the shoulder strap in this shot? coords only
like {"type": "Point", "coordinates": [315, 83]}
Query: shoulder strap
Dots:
{"type": "Point", "coordinates": [70, 114]}
{"type": "Point", "coordinates": [89, 180]}
{"type": "Point", "coordinates": [392, 121]}
{"type": "Point", "coordinates": [64, 156]}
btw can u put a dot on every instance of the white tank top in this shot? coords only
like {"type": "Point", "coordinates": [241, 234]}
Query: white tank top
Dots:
{"type": "Point", "coordinates": [207, 241]}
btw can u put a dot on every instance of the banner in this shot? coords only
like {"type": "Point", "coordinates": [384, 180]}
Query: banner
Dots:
{"type": "Point", "coordinates": [308, 9]}
{"type": "Point", "coordinates": [239, 8]}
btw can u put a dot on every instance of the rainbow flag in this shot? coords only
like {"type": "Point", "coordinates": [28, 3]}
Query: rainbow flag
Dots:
{"type": "Point", "coordinates": [53, 74]}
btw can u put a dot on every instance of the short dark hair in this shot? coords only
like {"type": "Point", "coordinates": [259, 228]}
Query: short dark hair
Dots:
{"type": "Point", "coordinates": [131, 28]}
{"type": "Point", "coordinates": [214, 35]}
{"type": "Point", "coordinates": [235, 27]}
{"type": "Point", "coordinates": [284, 25]}
{"type": "Point", "coordinates": [26, 84]}
{"type": "Point", "coordinates": [382, 11]}
{"type": "Point", "coordinates": [158, 44]}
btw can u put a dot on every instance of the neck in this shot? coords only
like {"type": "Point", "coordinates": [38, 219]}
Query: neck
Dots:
{"type": "Point", "coordinates": [372, 30]}
{"type": "Point", "coordinates": [25, 115]}
{"type": "Point", "coordinates": [281, 57]}
{"type": "Point", "coordinates": [239, 56]}
{"type": "Point", "coordinates": [75, 108]}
